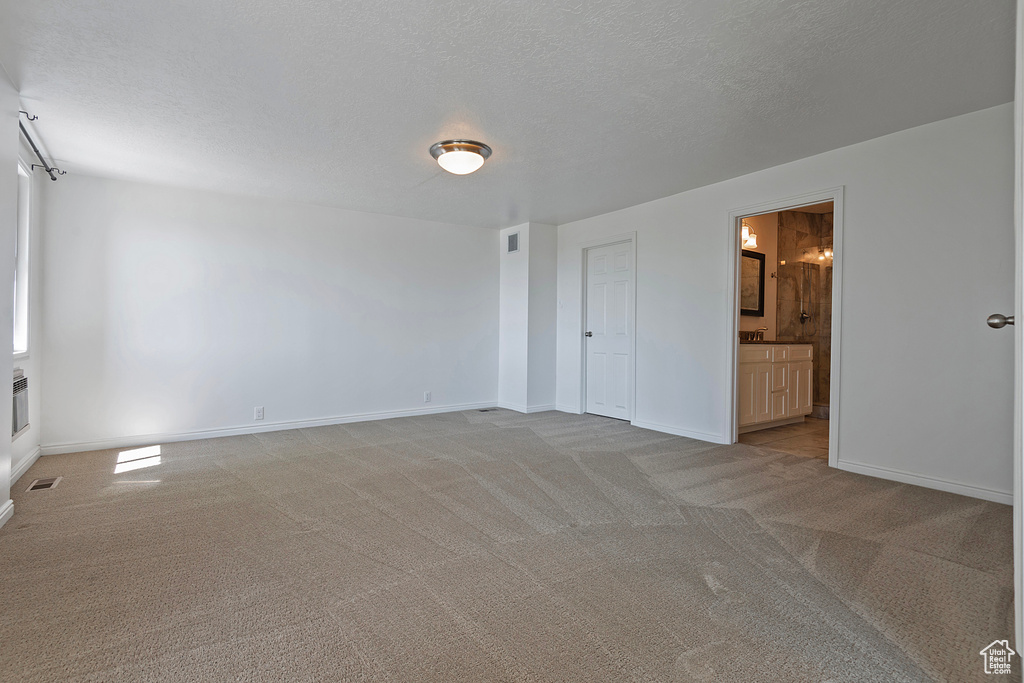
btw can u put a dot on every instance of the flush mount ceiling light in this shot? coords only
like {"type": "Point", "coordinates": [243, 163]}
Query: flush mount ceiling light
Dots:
{"type": "Point", "coordinates": [460, 156]}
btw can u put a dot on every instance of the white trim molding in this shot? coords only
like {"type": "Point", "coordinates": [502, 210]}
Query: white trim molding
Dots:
{"type": "Point", "coordinates": [928, 482]}
{"type": "Point", "coordinates": [148, 439]}
{"type": "Point", "coordinates": [1018, 336]}
{"type": "Point", "coordinates": [732, 326]}
{"type": "Point", "coordinates": [774, 423]}
{"type": "Point", "coordinates": [6, 511]}
{"type": "Point", "coordinates": [525, 409]}
{"type": "Point", "coordinates": [22, 467]}
{"type": "Point", "coordinates": [688, 433]}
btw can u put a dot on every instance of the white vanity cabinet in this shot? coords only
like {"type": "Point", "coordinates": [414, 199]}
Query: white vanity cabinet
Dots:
{"type": "Point", "coordinates": [775, 384]}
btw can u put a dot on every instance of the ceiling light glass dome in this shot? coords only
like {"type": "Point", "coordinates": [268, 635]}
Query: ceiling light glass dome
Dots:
{"type": "Point", "coordinates": [460, 156]}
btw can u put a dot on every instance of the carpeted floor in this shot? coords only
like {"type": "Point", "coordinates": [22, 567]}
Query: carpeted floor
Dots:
{"type": "Point", "coordinates": [494, 546]}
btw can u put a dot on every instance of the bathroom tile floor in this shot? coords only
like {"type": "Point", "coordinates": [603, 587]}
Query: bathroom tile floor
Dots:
{"type": "Point", "coordinates": [809, 438]}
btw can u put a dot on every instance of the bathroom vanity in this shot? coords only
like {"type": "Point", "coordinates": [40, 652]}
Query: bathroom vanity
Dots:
{"type": "Point", "coordinates": [776, 383]}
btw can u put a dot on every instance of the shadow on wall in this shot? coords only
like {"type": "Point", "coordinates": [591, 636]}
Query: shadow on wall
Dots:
{"type": "Point", "coordinates": [805, 291]}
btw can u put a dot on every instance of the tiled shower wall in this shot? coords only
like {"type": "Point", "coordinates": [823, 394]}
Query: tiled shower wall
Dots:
{"type": "Point", "coordinates": [805, 286]}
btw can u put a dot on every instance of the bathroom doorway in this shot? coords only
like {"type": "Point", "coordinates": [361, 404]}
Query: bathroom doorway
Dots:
{"type": "Point", "coordinates": [785, 293]}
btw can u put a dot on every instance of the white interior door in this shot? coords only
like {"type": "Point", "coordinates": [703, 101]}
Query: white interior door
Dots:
{"type": "Point", "coordinates": [609, 333]}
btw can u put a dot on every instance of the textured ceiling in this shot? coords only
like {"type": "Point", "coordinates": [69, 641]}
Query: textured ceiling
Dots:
{"type": "Point", "coordinates": [589, 106]}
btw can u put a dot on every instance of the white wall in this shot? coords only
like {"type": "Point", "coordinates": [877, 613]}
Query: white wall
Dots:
{"type": "Point", "coordinates": [514, 320]}
{"type": "Point", "coordinates": [543, 316]}
{"type": "Point", "coordinates": [527, 319]}
{"type": "Point", "coordinates": [766, 227]}
{"type": "Point", "coordinates": [172, 313]}
{"type": "Point", "coordinates": [926, 386]}
{"type": "Point", "coordinates": [9, 106]}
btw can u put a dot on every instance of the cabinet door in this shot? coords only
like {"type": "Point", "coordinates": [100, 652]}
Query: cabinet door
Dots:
{"type": "Point", "coordinates": [781, 380]}
{"type": "Point", "coordinates": [748, 393]}
{"type": "Point", "coordinates": [763, 407]}
{"type": "Point", "coordinates": [780, 376]}
{"type": "Point", "coordinates": [807, 395]}
{"type": "Point", "coordinates": [780, 409]}
{"type": "Point", "coordinates": [801, 387]}
{"type": "Point", "coordinates": [755, 393]}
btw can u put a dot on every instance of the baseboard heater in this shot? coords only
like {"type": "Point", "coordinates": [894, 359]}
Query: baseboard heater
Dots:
{"type": "Point", "coordinates": [19, 423]}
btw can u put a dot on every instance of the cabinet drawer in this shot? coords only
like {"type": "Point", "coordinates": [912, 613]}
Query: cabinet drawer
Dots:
{"type": "Point", "coordinates": [755, 353]}
{"type": "Point", "coordinates": [802, 352]}
{"type": "Point", "coordinates": [781, 353]}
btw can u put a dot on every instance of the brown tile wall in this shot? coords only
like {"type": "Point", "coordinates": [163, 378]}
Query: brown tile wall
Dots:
{"type": "Point", "coordinates": [805, 285]}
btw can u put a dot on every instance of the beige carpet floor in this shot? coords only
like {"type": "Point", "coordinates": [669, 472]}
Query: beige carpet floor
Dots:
{"type": "Point", "coordinates": [494, 546]}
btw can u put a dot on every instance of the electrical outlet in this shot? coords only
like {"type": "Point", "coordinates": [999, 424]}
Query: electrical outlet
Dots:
{"type": "Point", "coordinates": [426, 397]}
{"type": "Point", "coordinates": [257, 413]}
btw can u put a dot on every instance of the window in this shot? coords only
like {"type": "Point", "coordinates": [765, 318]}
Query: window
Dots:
{"type": "Point", "coordinates": [21, 263]}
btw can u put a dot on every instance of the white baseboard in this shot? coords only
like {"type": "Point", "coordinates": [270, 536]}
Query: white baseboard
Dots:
{"type": "Point", "coordinates": [148, 439]}
{"type": "Point", "coordinates": [769, 425]}
{"type": "Point", "coordinates": [6, 512]}
{"type": "Point", "coordinates": [689, 433]}
{"type": "Point", "coordinates": [566, 408]}
{"type": "Point", "coordinates": [22, 467]}
{"type": "Point", "coordinates": [525, 409]}
{"type": "Point", "coordinates": [927, 482]}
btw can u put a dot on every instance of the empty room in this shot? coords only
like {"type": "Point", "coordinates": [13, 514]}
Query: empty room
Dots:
{"type": "Point", "coordinates": [516, 341]}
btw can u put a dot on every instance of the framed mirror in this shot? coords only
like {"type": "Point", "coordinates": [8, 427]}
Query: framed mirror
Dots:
{"type": "Point", "coordinates": [752, 284]}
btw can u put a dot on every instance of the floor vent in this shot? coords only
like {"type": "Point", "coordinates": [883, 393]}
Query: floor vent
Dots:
{"type": "Point", "coordinates": [486, 410]}
{"type": "Point", "coordinates": [43, 484]}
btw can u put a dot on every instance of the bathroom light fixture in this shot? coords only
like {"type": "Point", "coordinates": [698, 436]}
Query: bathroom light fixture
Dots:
{"type": "Point", "coordinates": [460, 156]}
{"type": "Point", "coordinates": [749, 238]}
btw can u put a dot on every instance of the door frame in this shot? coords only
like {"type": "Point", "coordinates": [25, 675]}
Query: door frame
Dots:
{"type": "Point", "coordinates": [736, 216]}
{"type": "Point", "coordinates": [583, 248]}
{"type": "Point", "coordinates": [1018, 337]}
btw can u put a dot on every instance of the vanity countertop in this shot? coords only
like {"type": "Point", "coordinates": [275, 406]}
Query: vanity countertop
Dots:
{"type": "Point", "coordinates": [778, 343]}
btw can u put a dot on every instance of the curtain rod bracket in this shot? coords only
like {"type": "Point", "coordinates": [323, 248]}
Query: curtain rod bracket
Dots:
{"type": "Point", "coordinates": [51, 168]}
{"type": "Point", "coordinates": [45, 166]}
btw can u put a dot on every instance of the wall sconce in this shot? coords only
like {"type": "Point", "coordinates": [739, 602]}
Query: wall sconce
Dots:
{"type": "Point", "coordinates": [749, 238]}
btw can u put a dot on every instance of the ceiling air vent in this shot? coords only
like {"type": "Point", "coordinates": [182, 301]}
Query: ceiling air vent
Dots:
{"type": "Point", "coordinates": [513, 242]}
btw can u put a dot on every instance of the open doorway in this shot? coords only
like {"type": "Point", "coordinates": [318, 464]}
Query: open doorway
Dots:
{"type": "Point", "coordinates": [784, 358]}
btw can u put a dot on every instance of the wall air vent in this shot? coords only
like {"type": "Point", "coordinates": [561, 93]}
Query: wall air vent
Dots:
{"type": "Point", "coordinates": [513, 242]}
